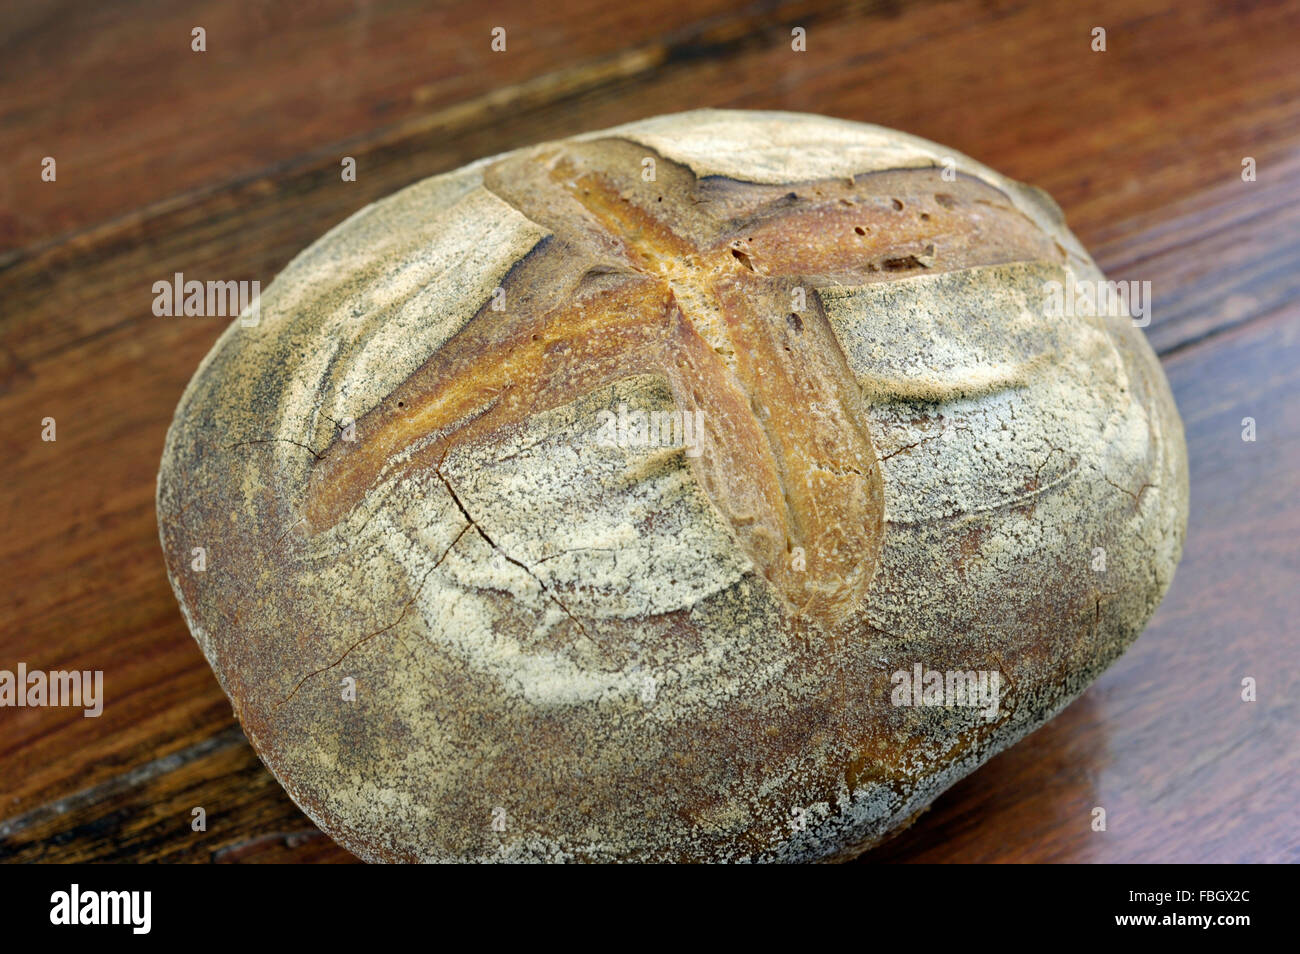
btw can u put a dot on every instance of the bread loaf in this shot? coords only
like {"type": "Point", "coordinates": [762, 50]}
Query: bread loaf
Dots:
{"type": "Point", "coordinates": [653, 495]}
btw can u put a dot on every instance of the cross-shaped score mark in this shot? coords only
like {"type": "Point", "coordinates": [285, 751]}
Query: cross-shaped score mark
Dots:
{"type": "Point", "coordinates": [698, 281]}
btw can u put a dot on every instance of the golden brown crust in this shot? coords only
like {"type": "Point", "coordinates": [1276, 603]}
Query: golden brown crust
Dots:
{"type": "Point", "coordinates": [696, 281]}
{"type": "Point", "coordinates": [634, 651]}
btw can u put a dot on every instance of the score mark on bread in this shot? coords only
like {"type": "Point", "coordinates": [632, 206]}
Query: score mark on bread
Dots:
{"type": "Point", "coordinates": [696, 280]}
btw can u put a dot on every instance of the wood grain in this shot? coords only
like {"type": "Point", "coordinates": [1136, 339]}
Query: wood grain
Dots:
{"type": "Point", "coordinates": [225, 167]}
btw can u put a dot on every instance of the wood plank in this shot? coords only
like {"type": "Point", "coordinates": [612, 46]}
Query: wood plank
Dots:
{"type": "Point", "coordinates": [147, 815]}
{"type": "Point", "coordinates": [1215, 259]}
{"type": "Point", "coordinates": [277, 81]}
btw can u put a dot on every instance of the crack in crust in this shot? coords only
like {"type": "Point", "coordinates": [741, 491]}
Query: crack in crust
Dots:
{"type": "Point", "coordinates": [710, 283]}
{"type": "Point", "coordinates": [471, 522]}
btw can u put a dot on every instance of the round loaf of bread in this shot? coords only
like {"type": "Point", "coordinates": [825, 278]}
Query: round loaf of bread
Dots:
{"type": "Point", "coordinates": [719, 487]}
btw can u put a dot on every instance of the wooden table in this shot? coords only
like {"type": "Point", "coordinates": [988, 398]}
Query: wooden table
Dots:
{"type": "Point", "coordinates": [224, 163]}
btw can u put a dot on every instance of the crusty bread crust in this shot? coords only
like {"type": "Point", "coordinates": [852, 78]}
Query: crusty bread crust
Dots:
{"type": "Point", "coordinates": [566, 650]}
